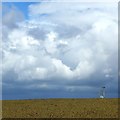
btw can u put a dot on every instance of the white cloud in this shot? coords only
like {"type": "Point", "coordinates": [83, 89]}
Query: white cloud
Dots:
{"type": "Point", "coordinates": [74, 41]}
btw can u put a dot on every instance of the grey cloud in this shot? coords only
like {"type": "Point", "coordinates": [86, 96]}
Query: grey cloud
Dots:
{"type": "Point", "coordinates": [38, 33]}
{"type": "Point", "coordinates": [66, 31]}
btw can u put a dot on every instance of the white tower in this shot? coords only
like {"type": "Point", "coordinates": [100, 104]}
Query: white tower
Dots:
{"type": "Point", "coordinates": [102, 92]}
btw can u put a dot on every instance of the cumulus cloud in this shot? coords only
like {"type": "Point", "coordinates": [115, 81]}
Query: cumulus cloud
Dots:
{"type": "Point", "coordinates": [62, 42]}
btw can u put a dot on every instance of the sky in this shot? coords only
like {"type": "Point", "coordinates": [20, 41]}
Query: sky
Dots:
{"type": "Point", "coordinates": [59, 50]}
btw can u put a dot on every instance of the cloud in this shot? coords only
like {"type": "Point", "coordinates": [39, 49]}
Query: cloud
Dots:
{"type": "Point", "coordinates": [61, 45]}
{"type": "Point", "coordinates": [10, 16]}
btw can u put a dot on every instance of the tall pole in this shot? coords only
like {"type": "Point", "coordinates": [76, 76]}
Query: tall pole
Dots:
{"type": "Point", "coordinates": [102, 92]}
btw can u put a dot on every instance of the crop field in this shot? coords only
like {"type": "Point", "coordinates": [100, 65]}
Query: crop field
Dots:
{"type": "Point", "coordinates": [60, 108]}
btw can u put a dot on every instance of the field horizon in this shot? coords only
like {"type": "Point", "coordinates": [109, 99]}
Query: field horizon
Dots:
{"type": "Point", "coordinates": [56, 98]}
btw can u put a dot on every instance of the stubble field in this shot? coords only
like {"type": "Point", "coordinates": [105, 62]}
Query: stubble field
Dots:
{"type": "Point", "coordinates": [60, 108]}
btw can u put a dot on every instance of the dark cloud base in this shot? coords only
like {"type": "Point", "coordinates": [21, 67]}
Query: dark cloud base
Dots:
{"type": "Point", "coordinates": [17, 93]}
